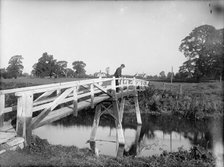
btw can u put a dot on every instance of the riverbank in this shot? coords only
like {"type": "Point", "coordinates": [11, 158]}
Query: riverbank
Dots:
{"type": "Point", "coordinates": [41, 153]}
{"type": "Point", "coordinates": [196, 101]}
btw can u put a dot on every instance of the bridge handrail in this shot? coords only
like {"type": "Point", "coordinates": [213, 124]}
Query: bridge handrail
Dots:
{"type": "Point", "coordinates": [61, 85]}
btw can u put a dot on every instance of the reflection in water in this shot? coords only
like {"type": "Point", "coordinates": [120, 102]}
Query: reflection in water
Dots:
{"type": "Point", "coordinates": [153, 137]}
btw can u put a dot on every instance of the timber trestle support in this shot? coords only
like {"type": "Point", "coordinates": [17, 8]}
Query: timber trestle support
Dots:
{"type": "Point", "coordinates": [115, 107]}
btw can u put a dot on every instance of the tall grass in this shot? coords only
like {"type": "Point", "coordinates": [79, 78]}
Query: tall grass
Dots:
{"type": "Point", "coordinates": [190, 104]}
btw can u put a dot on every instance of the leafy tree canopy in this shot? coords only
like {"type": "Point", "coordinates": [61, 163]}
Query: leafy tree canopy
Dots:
{"type": "Point", "coordinates": [15, 67]}
{"type": "Point", "coordinates": [46, 66]}
{"type": "Point", "coordinates": [79, 67]}
{"type": "Point", "coordinates": [162, 74]}
{"type": "Point", "coordinates": [204, 50]}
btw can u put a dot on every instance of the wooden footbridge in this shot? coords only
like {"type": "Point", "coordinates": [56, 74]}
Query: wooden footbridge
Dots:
{"type": "Point", "coordinates": [40, 105]}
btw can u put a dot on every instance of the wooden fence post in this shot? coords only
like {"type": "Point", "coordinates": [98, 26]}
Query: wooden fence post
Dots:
{"type": "Point", "coordinates": [164, 86]}
{"type": "Point", "coordinates": [180, 89]}
{"type": "Point", "coordinates": [24, 116]}
{"type": "Point", "coordinates": [2, 106]}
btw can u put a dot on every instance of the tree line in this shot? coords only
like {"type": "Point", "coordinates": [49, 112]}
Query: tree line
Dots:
{"type": "Point", "coordinates": [46, 66]}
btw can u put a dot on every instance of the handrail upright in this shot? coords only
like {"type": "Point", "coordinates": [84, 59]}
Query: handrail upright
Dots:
{"type": "Point", "coordinates": [2, 107]}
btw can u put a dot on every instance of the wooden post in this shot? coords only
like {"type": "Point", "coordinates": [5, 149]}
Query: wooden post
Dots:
{"type": "Point", "coordinates": [164, 86]}
{"type": "Point", "coordinates": [137, 109]}
{"type": "Point", "coordinates": [58, 92]}
{"type": "Point", "coordinates": [122, 109]}
{"type": "Point", "coordinates": [122, 87]}
{"type": "Point", "coordinates": [114, 88]}
{"type": "Point", "coordinates": [75, 102]}
{"type": "Point", "coordinates": [127, 84]}
{"type": "Point", "coordinates": [2, 107]}
{"type": "Point", "coordinates": [119, 130]}
{"type": "Point", "coordinates": [180, 89]}
{"type": "Point", "coordinates": [95, 122]}
{"type": "Point", "coordinates": [100, 82]}
{"type": "Point", "coordinates": [24, 116]}
{"type": "Point", "coordinates": [137, 136]}
{"type": "Point", "coordinates": [92, 95]}
{"type": "Point", "coordinates": [134, 84]}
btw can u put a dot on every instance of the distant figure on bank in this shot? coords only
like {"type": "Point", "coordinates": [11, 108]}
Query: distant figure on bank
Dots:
{"type": "Point", "coordinates": [117, 74]}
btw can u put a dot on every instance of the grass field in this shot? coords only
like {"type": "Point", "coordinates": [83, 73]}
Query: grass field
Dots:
{"type": "Point", "coordinates": [213, 90]}
{"type": "Point", "coordinates": [27, 81]}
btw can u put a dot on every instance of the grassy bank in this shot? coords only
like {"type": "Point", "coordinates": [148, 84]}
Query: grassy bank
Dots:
{"type": "Point", "coordinates": [196, 101]}
{"type": "Point", "coordinates": [41, 153]}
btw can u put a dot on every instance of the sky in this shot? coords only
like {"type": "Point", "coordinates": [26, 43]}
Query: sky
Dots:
{"type": "Point", "coordinates": [143, 35]}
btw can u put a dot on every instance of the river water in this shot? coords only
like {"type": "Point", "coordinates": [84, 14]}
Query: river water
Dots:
{"type": "Point", "coordinates": [157, 133]}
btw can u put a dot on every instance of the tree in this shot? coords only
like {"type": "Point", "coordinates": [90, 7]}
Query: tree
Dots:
{"type": "Point", "coordinates": [61, 68]}
{"type": "Point", "coordinates": [79, 67]}
{"type": "Point", "coordinates": [46, 66]}
{"type": "Point", "coordinates": [203, 48]}
{"type": "Point", "coordinates": [169, 75]}
{"type": "Point", "coordinates": [70, 72]}
{"type": "Point", "coordinates": [3, 73]}
{"type": "Point", "coordinates": [162, 74]}
{"type": "Point", "coordinates": [15, 67]}
{"type": "Point", "coordinates": [107, 71]}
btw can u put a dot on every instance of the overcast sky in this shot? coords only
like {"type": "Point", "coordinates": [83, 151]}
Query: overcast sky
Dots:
{"type": "Point", "coordinates": [144, 35]}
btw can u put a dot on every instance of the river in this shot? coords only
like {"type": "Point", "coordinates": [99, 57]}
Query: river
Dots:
{"type": "Point", "coordinates": [155, 135]}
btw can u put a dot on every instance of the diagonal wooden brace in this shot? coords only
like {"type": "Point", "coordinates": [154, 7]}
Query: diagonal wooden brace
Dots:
{"type": "Point", "coordinates": [54, 104]}
{"type": "Point", "coordinates": [103, 89]}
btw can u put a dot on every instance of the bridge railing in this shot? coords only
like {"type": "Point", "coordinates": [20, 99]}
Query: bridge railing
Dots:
{"type": "Point", "coordinates": [48, 97]}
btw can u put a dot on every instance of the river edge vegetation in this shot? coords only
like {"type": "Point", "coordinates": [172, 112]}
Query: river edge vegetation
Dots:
{"type": "Point", "coordinates": [41, 153]}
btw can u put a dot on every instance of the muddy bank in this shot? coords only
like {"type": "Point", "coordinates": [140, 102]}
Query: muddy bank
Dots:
{"type": "Point", "coordinates": [41, 153]}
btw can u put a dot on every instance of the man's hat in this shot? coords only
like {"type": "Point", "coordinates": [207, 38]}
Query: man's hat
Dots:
{"type": "Point", "coordinates": [122, 65]}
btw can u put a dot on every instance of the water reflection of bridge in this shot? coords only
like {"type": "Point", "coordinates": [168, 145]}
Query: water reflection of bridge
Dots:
{"type": "Point", "coordinates": [156, 141]}
{"type": "Point", "coordinates": [173, 133]}
{"type": "Point", "coordinates": [40, 105]}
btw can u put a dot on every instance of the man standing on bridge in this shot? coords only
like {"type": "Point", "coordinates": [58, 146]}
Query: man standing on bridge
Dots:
{"type": "Point", "coordinates": [117, 74]}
